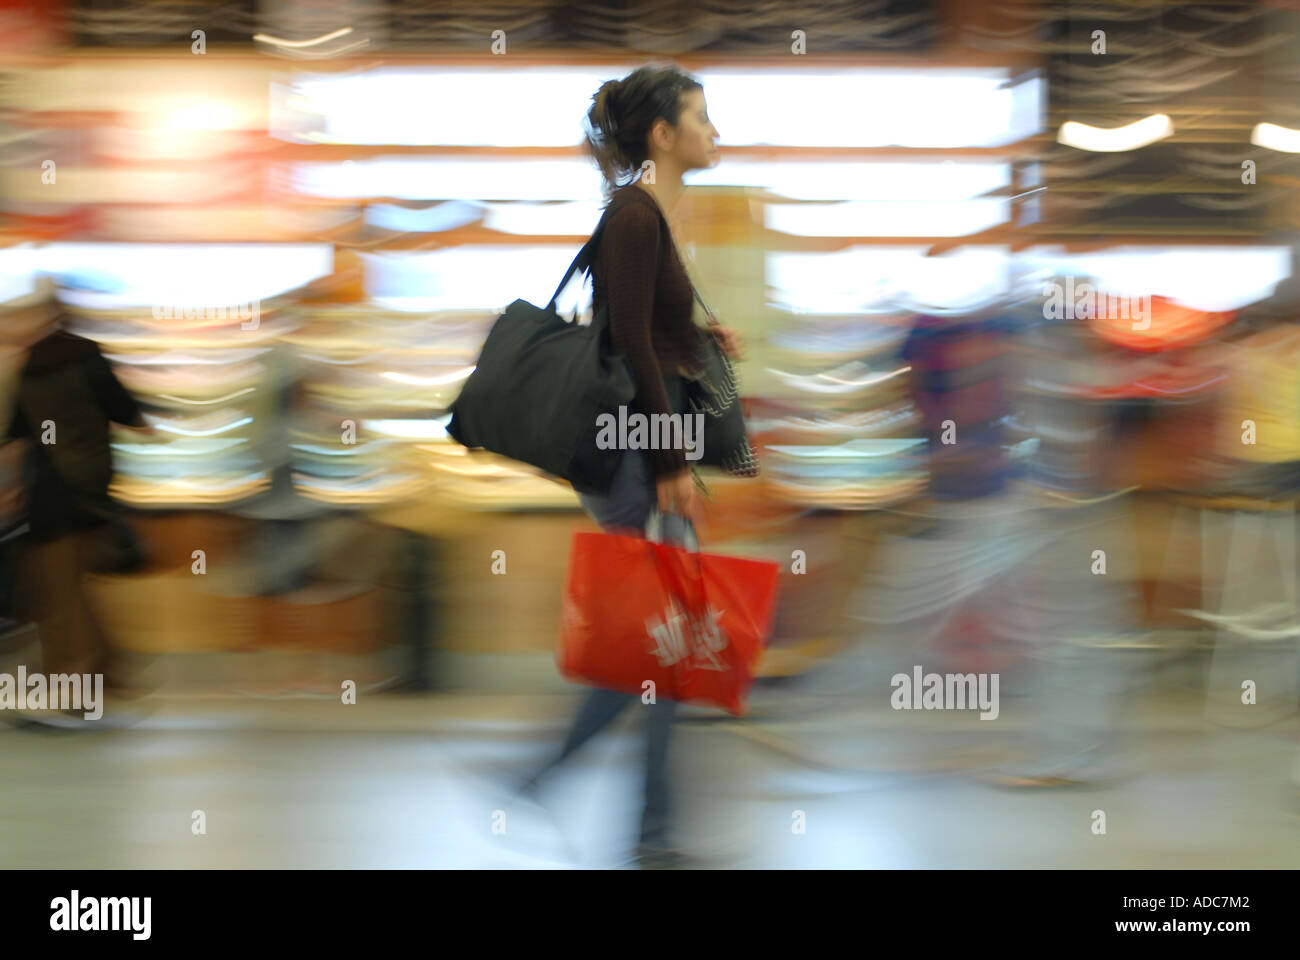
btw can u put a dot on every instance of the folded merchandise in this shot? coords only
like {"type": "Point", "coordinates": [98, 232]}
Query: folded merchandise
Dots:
{"type": "Point", "coordinates": [199, 421]}
{"type": "Point", "coordinates": [852, 461]}
{"type": "Point", "coordinates": [188, 358]}
{"type": "Point", "coordinates": [197, 385]}
{"type": "Point", "coordinates": [833, 494]}
{"type": "Point", "coordinates": [855, 382]}
{"type": "Point", "coordinates": [341, 462]}
{"type": "Point", "coordinates": [183, 458]}
{"type": "Point", "coordinates": [380, 487]}
{"type": "Point", "coordinates": [371, 394]}
{"type": "Point", "coordinates": [205, 490]}
{"type": "Point", "coordinates": [821, 427]}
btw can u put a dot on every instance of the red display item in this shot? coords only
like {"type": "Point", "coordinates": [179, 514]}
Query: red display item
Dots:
{"type": "Point", "coordinates": [27, 26]}
{"type": "Point", "coordinates": [1169, 325]}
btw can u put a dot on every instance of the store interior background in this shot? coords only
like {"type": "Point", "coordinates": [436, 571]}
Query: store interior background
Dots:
{"type": "Point", "coordinates": [379, 196]}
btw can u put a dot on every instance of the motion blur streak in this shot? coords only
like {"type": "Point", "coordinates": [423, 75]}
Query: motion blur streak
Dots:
{"type": "Point", "coordinates": [1021, 369]}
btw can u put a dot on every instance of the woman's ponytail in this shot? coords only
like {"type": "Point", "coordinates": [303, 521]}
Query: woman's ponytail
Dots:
{"type": "Point", "coordinates": [622, 113]}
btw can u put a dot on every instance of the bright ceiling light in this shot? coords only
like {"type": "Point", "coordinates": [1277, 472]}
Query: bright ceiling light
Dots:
{"type": "Point", "coordinates": [1276, 137]}
{"type": "Point", "coordinates": [198, 115]}
{"type": "Point", "coordinates": [276, 41]}
{"type": "Point", "coordinates": [1131, 136]}
{"type": "Point", "coordinates": [543, 106]}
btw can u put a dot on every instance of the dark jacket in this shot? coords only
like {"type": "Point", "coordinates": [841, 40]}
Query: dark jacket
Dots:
{"type": "Point", "coordinates": [68, 394]}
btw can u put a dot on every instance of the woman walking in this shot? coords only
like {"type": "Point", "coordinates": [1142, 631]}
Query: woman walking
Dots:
{"type": "Point", "coordinates": [645, 131]}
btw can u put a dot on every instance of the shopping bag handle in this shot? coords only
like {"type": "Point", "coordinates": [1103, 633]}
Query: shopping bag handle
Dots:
{"type": "Point", "coordinates": [654, 530]}
{"type": "Point", "coordinates": [685, 582]}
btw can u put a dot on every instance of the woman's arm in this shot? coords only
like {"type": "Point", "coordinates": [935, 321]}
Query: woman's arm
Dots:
{"type": "Point", "coordinates": [114, 399]}
{"type": "Point", "coordinates": [630, 245]}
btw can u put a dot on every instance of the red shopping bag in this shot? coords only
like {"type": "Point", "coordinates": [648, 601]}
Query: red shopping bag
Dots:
{"type": "Point", "coordinates": [693, 623]}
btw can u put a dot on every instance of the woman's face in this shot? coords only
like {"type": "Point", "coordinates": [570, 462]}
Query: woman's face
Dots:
{"type": "Point", "coordinates": [693, 144]}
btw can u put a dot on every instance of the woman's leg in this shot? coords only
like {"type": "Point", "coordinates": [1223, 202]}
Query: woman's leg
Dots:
{"type": "Point", "coordinates": [600, 709]}
{"type": "Point", "coordinates": [625, 507]}
{"type": "Point", "coordinates": [656, 816]}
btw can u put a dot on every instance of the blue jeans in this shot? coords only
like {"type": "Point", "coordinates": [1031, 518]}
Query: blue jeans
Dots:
{"type": "Point", "coordinates": [626, 508]}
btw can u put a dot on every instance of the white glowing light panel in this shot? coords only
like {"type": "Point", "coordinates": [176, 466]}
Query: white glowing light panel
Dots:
{"type": "Point", "coordinates": [866, 278]}
{"type": "Point", "coordinates": [545, 106]}
{"type": "Point", "coordinates": [126, 275]}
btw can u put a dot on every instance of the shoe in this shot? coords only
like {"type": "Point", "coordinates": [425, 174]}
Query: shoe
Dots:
{"type": "Point", "coordinates": [663, 858]}
{"type": "Point", "coordinates": [1013, 781]}
{"type": "Point", "coordinates": [1085, 770]}
{"type": "Point", "coordinates": [529, 789]}
{"type": "Point", "coordinates": [510, 781]}
{"type": "Point", "coordinates": [529, 806]}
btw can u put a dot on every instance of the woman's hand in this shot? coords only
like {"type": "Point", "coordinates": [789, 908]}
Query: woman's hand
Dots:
{"type": "Point", "coordinates": [729, 339]}
{"type": "Point", "coordinates": [676, 493]}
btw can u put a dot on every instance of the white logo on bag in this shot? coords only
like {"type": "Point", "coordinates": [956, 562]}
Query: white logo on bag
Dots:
{"type": "Point", "coordinates": [678, 635]}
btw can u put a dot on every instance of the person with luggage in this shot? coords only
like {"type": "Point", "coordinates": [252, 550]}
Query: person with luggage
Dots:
{"type": "Point", "coordinates": [653, 119]}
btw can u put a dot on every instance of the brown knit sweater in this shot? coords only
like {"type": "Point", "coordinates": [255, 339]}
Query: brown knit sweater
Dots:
{"type": "Point", "coordinates": [650, 314]}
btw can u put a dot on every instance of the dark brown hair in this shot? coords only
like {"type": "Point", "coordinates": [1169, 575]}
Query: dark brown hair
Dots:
{"type": "Point", "coordinates": [622, 114]}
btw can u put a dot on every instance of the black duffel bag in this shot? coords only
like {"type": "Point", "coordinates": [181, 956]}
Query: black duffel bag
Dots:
{"type": "Point", "coordinates": [540, 384]}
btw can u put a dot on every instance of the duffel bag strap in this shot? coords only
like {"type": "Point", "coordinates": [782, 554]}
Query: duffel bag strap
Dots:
{"type": "Point", "coordinates": [586, 257]}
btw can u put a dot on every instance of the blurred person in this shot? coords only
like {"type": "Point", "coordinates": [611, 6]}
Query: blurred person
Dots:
{"type": "Point", "coordinates": [66, 397]}
{"type": "Point", "coordinates": [12, 527]}
{"type": "Point", "coordinates": [999, 578]}
{"type": "Point", "coordinates": [1069, 618]}
{"type": "Point", "coordinates": [655, 114]}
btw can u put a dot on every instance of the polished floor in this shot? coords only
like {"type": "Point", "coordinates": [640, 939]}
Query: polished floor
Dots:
{"type": "Point", "coordinates": [420, 782]}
